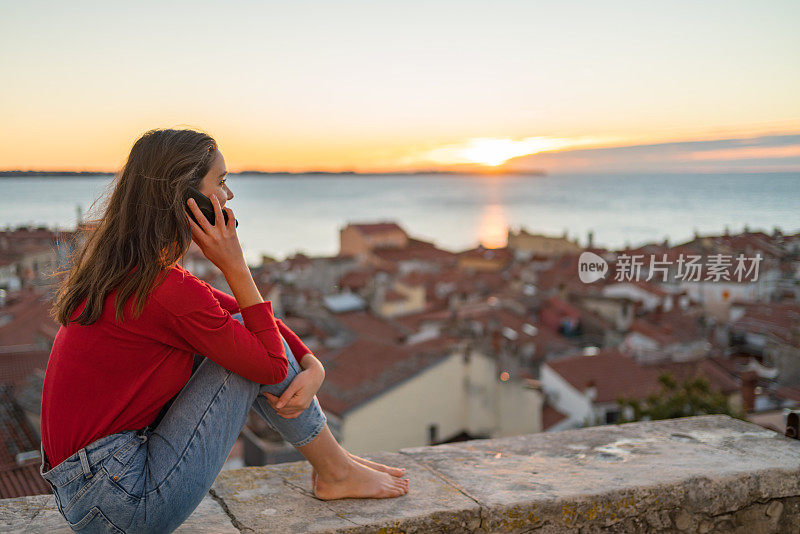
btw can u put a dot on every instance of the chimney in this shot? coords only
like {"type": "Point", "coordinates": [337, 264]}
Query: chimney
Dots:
{"type": "Point", "coordinates": [749, 380]}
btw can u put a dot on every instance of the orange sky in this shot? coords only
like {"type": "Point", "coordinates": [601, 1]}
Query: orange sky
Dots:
{"type": "Point", "coordinates": [370, 86]}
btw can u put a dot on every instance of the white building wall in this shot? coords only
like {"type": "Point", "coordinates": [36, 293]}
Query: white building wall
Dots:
{"type": "Point", "coordinates": [622, 289]}
{"type": "Point", "coordinates": [454, 395]}
{"type": "Point", "coordinates": [565, 398]}
{"type": "Point", "coordinates": [401, 416]}
{"type": "Point", "coordinates": [520, 409]}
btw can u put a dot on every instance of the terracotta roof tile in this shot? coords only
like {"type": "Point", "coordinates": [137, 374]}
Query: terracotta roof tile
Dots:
{"type": "Point", "coordinates": [415, 250]}
{"type": "Point", "coordinates": [16, 432]}
{"type": "Point", "coordinates": [368, 367]}
{"type": "Point", "coordinates": [483, 253]}
{"type": "Point", "coordinates": [377, 228]}
{"type": "Point", "coordinates": [22, 481]}
{"type": "Point", "coordinates": [720, 379]}
{"type": "Point", "coordinates": [551, 416]}
{"type": "Point", "coordinates": [30, 319]}
{"type": "Point", "coordinates": [367, 325]}
{"type": "Point", "coordinates": [612, 372]}
{"type": "Point", "coordinates": [16, 366]}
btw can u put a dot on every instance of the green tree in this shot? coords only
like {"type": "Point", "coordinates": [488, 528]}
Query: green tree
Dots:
{"type": "Point", "coordinates": [692, 396]}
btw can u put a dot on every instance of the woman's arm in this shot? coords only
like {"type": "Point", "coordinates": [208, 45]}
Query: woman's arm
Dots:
{"type": "Point", "coordinates": [302, 353]}
{"type": "Point", "coordinates": [301, 391]}
{"type": "Point", "coordinates": [241, 282]}
{"type": "Point", "coordinates": [309, 362]}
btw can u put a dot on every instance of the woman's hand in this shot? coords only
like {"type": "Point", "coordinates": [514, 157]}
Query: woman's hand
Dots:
{"type": "Point", "coordinates": [219, 242]}
{"type": "Point", "coordinates": [299, 394]}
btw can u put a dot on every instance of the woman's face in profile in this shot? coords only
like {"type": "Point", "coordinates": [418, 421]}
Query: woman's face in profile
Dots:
{"type": "Point", "coordinates": [213, 183]}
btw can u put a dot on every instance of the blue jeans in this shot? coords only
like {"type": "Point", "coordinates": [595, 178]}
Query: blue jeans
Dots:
{"type": "Point", "coordinates": [151, 480]}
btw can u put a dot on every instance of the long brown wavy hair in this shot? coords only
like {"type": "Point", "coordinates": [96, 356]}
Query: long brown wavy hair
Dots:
{"type": "Point", "coordinates": [143, 229]}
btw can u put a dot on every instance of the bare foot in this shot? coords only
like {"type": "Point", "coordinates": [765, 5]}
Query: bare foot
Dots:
{"type": "Point", "coordinates": [394, 471]}
{"type": "Point", "coordinates": [359, 482]}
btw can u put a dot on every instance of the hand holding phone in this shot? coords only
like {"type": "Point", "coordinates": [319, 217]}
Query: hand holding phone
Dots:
{"type": "Point", "coordinates": [205, 206]}
{"type": "Point", "coordinates": [219, 243]}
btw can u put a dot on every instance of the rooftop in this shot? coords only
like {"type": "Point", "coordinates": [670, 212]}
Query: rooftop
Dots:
{"type": "Point", "coordinates": [611, 372]}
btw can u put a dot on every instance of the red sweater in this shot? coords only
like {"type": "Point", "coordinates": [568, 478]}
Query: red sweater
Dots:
{"type": "Point", "coordinates": [108, 377]}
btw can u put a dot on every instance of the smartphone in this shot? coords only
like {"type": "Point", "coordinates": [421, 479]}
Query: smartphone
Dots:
{"type": "Point", "coordinates": [206, 207]}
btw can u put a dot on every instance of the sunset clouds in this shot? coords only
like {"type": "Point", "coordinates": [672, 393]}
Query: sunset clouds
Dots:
{"type": "Point", "coordinates": [380, 86]}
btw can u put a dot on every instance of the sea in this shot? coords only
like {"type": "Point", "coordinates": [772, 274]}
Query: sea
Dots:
{"type": "Point", "coordinates": [280, 215]}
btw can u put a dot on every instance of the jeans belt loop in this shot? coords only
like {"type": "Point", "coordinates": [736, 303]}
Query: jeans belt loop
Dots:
{"type": "Point", "coordinates": [87, 471]}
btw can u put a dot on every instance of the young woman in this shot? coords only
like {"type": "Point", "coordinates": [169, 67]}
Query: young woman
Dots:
{"type": "Point", "coordinates": [132, 439]}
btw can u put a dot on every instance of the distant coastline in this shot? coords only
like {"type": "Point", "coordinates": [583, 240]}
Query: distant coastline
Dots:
{"type": "Point", "coordinates": [33, 174]}
{"type": "Point", "coordinates": [80, 174]}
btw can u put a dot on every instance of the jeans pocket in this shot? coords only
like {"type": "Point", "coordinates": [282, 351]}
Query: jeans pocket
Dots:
{"type": "Point", "coordinates": [95, 521]}
{"type": "Point", "coordinates": [74, 490]}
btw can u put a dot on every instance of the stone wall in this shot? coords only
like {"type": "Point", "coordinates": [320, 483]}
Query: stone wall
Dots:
{"type": "Point", "coordinates": [696, 474]}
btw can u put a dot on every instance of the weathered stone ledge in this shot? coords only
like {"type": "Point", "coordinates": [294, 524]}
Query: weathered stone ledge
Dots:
{"type": "Point", "coordinates": [697, 474]}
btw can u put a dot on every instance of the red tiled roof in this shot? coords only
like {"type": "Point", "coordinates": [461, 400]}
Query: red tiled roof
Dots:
{"type": "Point", "coordinates": [303, 327]}
{"type": "Point", "coordinates": [788, 392]}
{"type": "Point", "coordinates": [778, 319]}
{"type": "Point", "coordinates": [483, 253]}
{"type": "Point", "coordinates": [551, 416]}
{"type": "Point", "coordinates": [30, 319]}
{"type": "Point", "coordinates": [415, 250]}
{"type": "Point", "coordinates": [365, 324]}
{"type": "Point", "coordinates": [562, 307]}
{"type": "Point", "coordinates": [415, 320]}
{"type": "Point", "coordinates": [298, 261]}
{"type": "Point", "coordinates": [720, 379]}
{"type": "Point", "coordinates": [612, 372]}
{"type": "Point", "coordinates": [377, 228]}
{"type": "Point", "coordinates": [675, 326]}
{"type": "Point", "coordinates": [563, 271]}
{"type": "Point", "coordinates": [22, 481]}
{"type": "Point", "coordinates": [16, 433]}
{"type": "Point", "coordinates": [550, 342]}
{"type": "Point", "coordinates": [393, 296]}
{"type": "Point", "coordinates": [355, 279]}
{"type": "Point", "coordinates": [24, 235]}
{"type": "Point", "coordinates": [652, 331]}
{"type": "Point", "coordinates": [368, 367]}
{"type": "Point", "coordinates": [486, 282]}
{"type": "Point", "coordinates": [16, 366]}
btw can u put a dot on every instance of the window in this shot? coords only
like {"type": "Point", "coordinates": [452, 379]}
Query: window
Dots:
{"type": "Point", "coordinates": [612, 416]}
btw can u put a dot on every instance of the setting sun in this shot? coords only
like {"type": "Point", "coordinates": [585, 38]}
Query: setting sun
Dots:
{"type": "Point", "coordinates": [494, 152]}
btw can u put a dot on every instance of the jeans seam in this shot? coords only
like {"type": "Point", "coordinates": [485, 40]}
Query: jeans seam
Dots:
{"type": "Point", "coordinates": [194, 432]}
